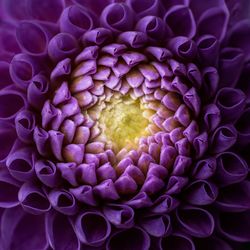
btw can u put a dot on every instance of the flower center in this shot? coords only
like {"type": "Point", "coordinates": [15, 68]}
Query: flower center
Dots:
{"type": "Point", "coordinates": [123, 122]}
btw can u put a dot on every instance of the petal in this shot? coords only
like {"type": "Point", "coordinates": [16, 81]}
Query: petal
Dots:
{"type": "Point", "coordinates": [92, 228]}
{"type": "Point", "coordinates": [204, 169]}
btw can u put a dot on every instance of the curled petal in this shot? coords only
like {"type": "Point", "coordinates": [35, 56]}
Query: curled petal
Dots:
{"type": "Point", "coordinates": [200, 144]}
{"type": "Point", "coordinates": [106, 190]}
{"type": "Point", "coordinates": [211, 117]}
{"type": "Point", "coordinates": [157, 225]}
{"type": "Point", "coordinates": [7, 135]}
{"type": "Point", "coordinates": [204, 169]}
{"type": "Point", "coordinates": [33, 200]}
{"type": "Point", "coordinates": [223, 138]}
{"type": "Point", "coordinates": [234, 198]}
{"type": "Point", "coordinates": [47, 173]}
{"type": "Point", "coordinates": [231, 64]}
{"type": "Point", "coordinates": [139, 201]}
{"type": "Point", "coordinates": [164, 204]}
{"type": "Point", "coordinates": [37, 91]}
{"type": "Point", "coordinates": [41, 139]}
{"type": "Point", "coordinates": [63, 201]}
{"type": "Point", "coordinates": [234, 226]}
{"type": "Point", "coordinates": [76, 21]}
{"type": "Point", "coordinates": [61, 71]}
{"type": "Point", "coordinates": [9, 188]}
{"type": "Point", "coordinates": [86, 174]}
{"type": "Point", "coordinates": [84, 194]}
{"type": "Point", "coordinates": [181, 165]}
{"type": "Point", "coordinates": [121, 216]}
{"type": "Point", "coordinates": [192, 100]}
{"type": "Point", "coordinates": [128, 239]}
{"type": "Point", "coordinates": [195, 221]}
{"type": "Point", "coordinates": [214, 22]}
{"type": "Point", "coordinates": [242, 127]}
{"type": "Point", "coordinates": [231, 168]}
{"type": "Point", "coordinates": [182, 15]}
{"type": "Point", "coordinates": [176, 184]}
{"type": "Point", "coordinates": [56, 142]}
{"type": "Point", "coordinates": [46, 10]}
{"type": "Point", "coordinates": [183, 47]}
{"type": "Point", "coordinates": [145, 7]}
{"type": "Point", "coordinates": [21, 164]}
{"type": "Point", "coordinates": [106, 171]}
{"type": "Point", "coordinates": [125, 184]}
{"type": "Point", "coordinates": [60, 232]}
{"type": "Point", "coordinates": [201, 192]}
{"type": "Point", "coordinates": [154, 27]}
{"type": "Point", "coordinates": [25, 124]}
{"type": "Point", "coordinates": [208, 50]}
{"type": "Point", "coordinates": [92, 228]}
{"type": "Point", "coordinates": [231, 103]}
{"type": "Point", "coordinates": [98, 36]}
{"type": "Point", "coordinates": [61, 46]}
{"type": "Point", "coordinates": [193, 73]}
{"type": "Point", "coordinates": [68, 172]}
{"type": "Point", "coordinates": [134, 39]}
{"type": "Point", "coordinates": [117, 17]}
{"type": "Point", "coordinates": [177, 241]}
{"type": "Point", "coordinates": [22, 69]}
{"type": "Point", "coordinates": [33, 38]}
{"type": "Point", "coordinates": [17, 230]}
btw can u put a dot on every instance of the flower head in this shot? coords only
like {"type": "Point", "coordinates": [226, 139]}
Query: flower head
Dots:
{"type": "Point", "coordinates": [124, 124]}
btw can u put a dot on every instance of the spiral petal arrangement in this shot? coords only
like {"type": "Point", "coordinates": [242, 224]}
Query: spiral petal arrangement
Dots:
{"type": "Point", "coordinates": [124, 124]}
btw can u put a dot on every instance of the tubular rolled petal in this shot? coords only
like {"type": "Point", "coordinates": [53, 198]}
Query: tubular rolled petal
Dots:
{"type": "Point", "coordinates": [20, 164]}
{"type": "Point", "coordinates": [41, 139]}
{"type": "Point", "coordinates": [214, 22]}
{"type": "Point", "coordinates": [154, 27]}
{"type": "Point", "coordinates": [234, 198]}
{"type": "Point", "coordinates": [177, 241]}
{"type": "Point", "coordinates": [47, 173]}
{"type": "Point", "coordinates": [231, 168]}
{"type": "Point", "coordinates": [37, 91]}
{"type": "Point", "coordinates": [211, 117]}
{"type": "Point", "coordinates": [11, 102]}
{"type": "Point", "coordinates": [106, 190]}
{"type": "Point", "coordinates": [121, 216]}
{"type": "Point", "coordinates": [22, 69]}
{"type": "Point", "coordinates": [117, 17]}
{"type": "Point", "coordinates": [92, 228]}
{"type": "Point", "coordinates": [200, 144]}
{"type": "Point", "coordinates": [231, 103]}
{"type": "Point", "coordinates": [195, 221]}
{"type": "Point", "coordinates": [45, 10]}
{"type": "Point", "coordinates": [63, 201]}
{"type": "Point", "coordinates": [33, 200]}
{"type": "Point", "coordinates": [33, 38]}
{"type": "Point", "coordinates": [212, 243]}
{"type": "Point", "coordinates": [7, 135]}
{"type": "Point", "coordinates": [231, 64]}
{"type": "Point", "coordinates": [243, 128]}
{"type": "Point", "coordinates": [135, 238]}
{"type": "Point", "coordinates": [140, 200]}
{"type": "Point", "coordinates": [182, 15]}
{"type": "Point", "coordinates": [134, 39]}
{"type": "Point", "coordinates": [176, 184]}
{"type": "Point", "coordinates": [98, 36]}
{"type": "Point", "coordinates": [68, 172]}
{"type": "Point", "coordinates": [25, 124]}
{"type": "Point", "coordinates": [17, 230]}
{"type": "Point", "coordinates": [60, 232]}
{"type": "Point", "coordinates": [204, 169]}
{"type": "Point", "coordinates": [194, 74]}
{"type": "Point", "coordinates": [76, 20]}
{"type": "Point", "coordinates": [145, 7]}
{"type": "Point", "coordinates": [183, 47]}
{"type": "Point", "coordinates": [223, 138]}
{"type": "Point", "coordinates": [234, 226]}
{"type": "Point", "coordinates": [157, 225]}
{"type": "Point", "coordinates": [208, 50]}
{"type": "Point", "coordinates": [61, 71]}
{"type": "Point", "coordinates": [9, 188]}
{"type": "Point", "coordinates": [164, 204]}
{"type": "Point", "coordinates": [61, 46]}
{"type": "Point", "coordinates": [84, 194]}
{"type": "Point", "coordinates": [86, 173]}
{"type": "Point", "coordinates": [201, 192]}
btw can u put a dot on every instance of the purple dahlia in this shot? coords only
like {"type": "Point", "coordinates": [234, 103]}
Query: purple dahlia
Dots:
{"type": "Point", "coordinates": [124, 124]}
